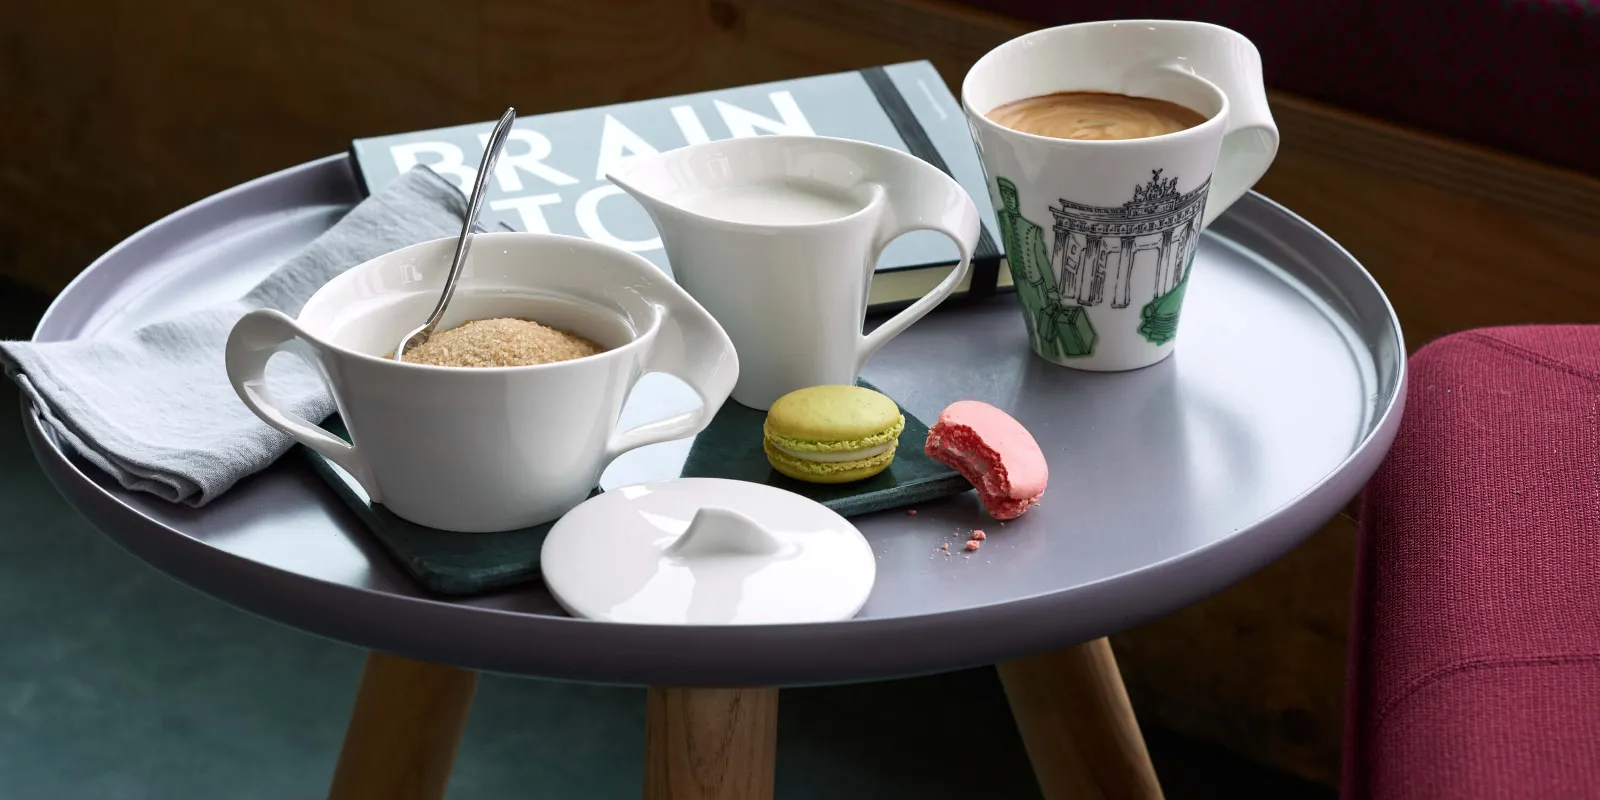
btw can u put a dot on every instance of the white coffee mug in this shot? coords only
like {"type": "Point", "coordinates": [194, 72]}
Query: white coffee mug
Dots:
{"type": "Point", "coordinates": [476, 449]}
{"type": "Point", "coordinates": [1100, 235]}
{"type": "Point", "coordinates": [778, 236]}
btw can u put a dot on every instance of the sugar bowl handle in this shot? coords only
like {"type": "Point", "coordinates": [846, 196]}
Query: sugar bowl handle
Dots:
{"type": "Point", "coordinates": [692, 347]}
{"type": "Point", "coordinates": [251, 344]}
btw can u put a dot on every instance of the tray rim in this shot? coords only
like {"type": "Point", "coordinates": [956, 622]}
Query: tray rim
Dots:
{"type": "Point", "coordinates": [988, 632]}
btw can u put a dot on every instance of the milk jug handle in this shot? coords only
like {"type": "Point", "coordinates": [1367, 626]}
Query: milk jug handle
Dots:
{"type": "Point", "coordinates": [959, 222]}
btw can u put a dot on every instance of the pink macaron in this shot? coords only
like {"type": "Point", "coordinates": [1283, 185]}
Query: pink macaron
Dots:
{"type": "Point", "coordinates": [994, 453]}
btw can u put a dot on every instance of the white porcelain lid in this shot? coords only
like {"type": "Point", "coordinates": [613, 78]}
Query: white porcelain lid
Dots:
{"type": "Point", "coordinates": [707, 551]}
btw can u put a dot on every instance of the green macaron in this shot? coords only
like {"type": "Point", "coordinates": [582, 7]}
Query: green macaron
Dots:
{"type": "Point", "coordinates": [832, 434]}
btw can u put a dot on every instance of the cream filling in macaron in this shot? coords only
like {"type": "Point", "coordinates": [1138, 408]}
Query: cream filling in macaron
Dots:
{"type": "Point", "coordinates": [848, 455]}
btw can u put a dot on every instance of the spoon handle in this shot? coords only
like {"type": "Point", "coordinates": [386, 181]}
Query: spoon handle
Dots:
{"type": "Point", "coordinates": [491, 154]}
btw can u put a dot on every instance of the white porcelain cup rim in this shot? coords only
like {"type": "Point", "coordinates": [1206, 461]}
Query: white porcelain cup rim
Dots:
{"type": "Point", "coordinates": [1204, 129]}
{"type": "Point", "coordinates": [635, 338]}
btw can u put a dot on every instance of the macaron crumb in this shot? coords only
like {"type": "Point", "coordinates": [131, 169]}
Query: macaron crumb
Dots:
{"type": "Point", "coordinates": [945, 546]}
{"type": "Point", "coordinates": [911, 512]}
{"type": "Point", "coordinates": [979, 535]}
{"type": "Point", "coordinates": [973, 544]}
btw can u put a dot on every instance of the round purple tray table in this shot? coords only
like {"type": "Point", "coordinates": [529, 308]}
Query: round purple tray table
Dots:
{"type": "Point", "coordinates": [1167, 483]}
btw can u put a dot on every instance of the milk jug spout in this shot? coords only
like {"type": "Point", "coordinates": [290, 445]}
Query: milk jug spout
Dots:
{"type": "Point", "coordinates": [651, 203]}
{"type": "Point", "coordinates": [664, 184]}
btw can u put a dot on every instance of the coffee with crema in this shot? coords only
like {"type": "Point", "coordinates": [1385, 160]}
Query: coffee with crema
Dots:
{"type": "Point", "coordinates": [1095, 116]}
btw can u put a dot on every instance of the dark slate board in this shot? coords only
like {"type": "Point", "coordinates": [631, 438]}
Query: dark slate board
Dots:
{"type": "Point", "coordinates": [451, 563]}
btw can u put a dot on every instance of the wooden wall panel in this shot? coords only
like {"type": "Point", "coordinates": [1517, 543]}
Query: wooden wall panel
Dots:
{"type": "Point", "coordinates": [1458, 237]}
{"type": "Point", "coordinates": [120, 112]}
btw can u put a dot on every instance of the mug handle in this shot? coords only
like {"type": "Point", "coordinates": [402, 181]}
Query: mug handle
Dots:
{"type": "Point", "coordinates": [693, 348]}
{"type": "Point", "coordinates": [252, 342]}
{"type": "Point", "coordinates": [1251, 141]}
{"type": "Point", "coordinates": [958, 222]}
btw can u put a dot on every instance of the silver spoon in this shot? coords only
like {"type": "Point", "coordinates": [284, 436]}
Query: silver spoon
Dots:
{"type": "Point", "coordinates": [491, 154]}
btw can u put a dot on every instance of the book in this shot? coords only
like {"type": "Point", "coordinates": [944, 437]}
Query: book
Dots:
{"type": "Point", "coordinates": [551, 176]}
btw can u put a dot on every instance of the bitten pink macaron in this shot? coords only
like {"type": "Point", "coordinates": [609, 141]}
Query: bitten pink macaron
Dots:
{"type": "Point", "coordinates": [994, 453]}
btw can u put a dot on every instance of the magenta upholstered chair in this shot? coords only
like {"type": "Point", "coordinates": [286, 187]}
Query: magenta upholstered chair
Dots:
{"type": "Point", "coordinates": [1475, 647]}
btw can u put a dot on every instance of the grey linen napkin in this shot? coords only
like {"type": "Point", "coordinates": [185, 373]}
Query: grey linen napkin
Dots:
{"type": "Point", "coordinates": [153, 407]}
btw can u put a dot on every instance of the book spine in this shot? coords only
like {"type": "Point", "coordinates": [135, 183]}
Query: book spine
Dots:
{"type": "Point", "coordinates": [356, 172]}
{"type": "Point", "coordinates": [986, 259]}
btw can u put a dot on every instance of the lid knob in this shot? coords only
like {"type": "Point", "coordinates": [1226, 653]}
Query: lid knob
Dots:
{"type": "Point", "coordinates": [721, 531]}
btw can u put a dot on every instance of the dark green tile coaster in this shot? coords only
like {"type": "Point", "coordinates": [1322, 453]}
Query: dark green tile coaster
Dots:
{"type": "Point", "coordinates": [450, 563]}
{"type": "Point", "coordinates": [730, 447]}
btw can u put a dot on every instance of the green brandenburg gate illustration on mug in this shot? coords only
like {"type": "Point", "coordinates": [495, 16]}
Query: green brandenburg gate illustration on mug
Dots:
{"type": "Point", "coordinates": [1144, 245]}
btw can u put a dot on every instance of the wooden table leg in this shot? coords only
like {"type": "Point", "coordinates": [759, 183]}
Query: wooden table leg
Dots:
{"type": "Point", "coordinates": [710, 744]}
{"type": "Point", "coordinates": [1078, 725]}
{"type": "Point", "coordinates": [404, 730]}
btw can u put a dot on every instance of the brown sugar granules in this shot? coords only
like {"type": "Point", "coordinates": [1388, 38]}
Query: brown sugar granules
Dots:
{"type": "Point", "coordinates": [500, 342]}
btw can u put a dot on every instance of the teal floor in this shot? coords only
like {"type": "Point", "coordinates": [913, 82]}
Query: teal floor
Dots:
{"type": "Point", "coordinates": [118, 683]}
